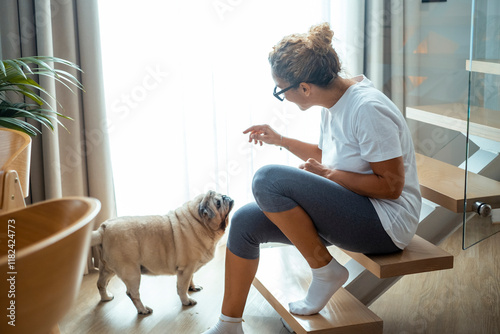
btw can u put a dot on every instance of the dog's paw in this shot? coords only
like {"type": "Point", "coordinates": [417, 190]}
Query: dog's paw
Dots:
{"type": "Point", "coordinates": [146, 311]}
{"type": "Point", "coordinates": [189, 302]}
{"type": "Point", "coordinates": [195, 288]}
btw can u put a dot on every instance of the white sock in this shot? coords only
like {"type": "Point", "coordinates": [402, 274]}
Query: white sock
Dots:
{"type": "Point", "coordinates": [325, 282]}
{"type": "Point", "coordinates": [226, 325]}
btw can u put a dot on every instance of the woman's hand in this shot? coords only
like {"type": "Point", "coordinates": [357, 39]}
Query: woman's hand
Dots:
{"type": "Point", "coordinates": [260, 134]}
{"type": "Point", "coordinates": [386, 182]}
{"type": "Point", "coordinates": [314, 166]}
{"type": "Point", "coordinates": [263, 134]}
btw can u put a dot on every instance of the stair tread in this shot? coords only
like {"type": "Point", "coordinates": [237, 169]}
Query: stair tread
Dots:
{"type": "Point", "coordinates": [443, 184]}
{"type": "Point", "coordinates": [284, 276]}
{"type": "Point", "coordinates": [419, 256]}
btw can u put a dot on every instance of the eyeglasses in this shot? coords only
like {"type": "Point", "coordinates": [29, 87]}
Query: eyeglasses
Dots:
{"type": "Point", "coordinates": [282, 92]}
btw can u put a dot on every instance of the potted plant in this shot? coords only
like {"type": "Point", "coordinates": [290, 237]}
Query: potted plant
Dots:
{"type": "Point", "coordinates": [17, 78]}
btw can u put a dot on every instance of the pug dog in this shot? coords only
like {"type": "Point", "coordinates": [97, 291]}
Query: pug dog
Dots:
{"type": "Point", "coordinates": [178, 243]}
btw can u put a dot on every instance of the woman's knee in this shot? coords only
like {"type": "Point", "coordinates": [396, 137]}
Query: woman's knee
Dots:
{"type": "Point", "coordinates": [273, 186]}
{"type": "Point", "coordinates": [263, 178]}
{"type": "Point", "coordinates": [268, 182]}
{"type": "Point", "coordinates": [242, 239]}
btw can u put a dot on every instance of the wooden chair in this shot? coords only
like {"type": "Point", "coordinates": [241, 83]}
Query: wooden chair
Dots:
{"type": "Point", "coordinates": [15, 157]}
{"type": "Point", "coordinates": [41, 279]}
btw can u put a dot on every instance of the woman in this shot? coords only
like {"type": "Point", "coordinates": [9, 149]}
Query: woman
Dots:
{"type": "Point", "coordinates": [357, 189]}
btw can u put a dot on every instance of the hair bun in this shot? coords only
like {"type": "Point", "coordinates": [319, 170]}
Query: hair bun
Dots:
{"type": "Point", "coordinates": [308, 57]}
{"type": "Point", "coordinates": [320, 38]}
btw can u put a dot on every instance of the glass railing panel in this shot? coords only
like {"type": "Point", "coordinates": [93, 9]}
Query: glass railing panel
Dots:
{"type": "Point", "coordinates": [482, 218]}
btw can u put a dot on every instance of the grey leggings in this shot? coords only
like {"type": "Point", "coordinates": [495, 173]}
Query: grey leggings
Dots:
{"type": "Point", "coordinates": [341, 217]}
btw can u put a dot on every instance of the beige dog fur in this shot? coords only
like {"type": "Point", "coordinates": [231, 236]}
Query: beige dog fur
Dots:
{"type": "Point", "coordinates": [178, 243]}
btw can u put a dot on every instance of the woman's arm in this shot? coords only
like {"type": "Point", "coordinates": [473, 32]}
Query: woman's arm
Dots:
{"type": "Point", "coordinates": [265, 134]}
{"type": "Point", "coordinates": [386, 182]}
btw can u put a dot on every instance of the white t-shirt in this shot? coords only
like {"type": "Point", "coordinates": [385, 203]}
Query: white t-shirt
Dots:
{"type": "Point", "coordinates": [365, 126]}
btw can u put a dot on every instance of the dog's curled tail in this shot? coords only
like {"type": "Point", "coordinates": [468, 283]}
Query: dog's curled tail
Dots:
{"type": "Point", "coordinates": [97, 235]}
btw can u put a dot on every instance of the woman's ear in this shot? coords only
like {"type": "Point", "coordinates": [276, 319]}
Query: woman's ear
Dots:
{"type": "Point", "coordinates": [305, 88]}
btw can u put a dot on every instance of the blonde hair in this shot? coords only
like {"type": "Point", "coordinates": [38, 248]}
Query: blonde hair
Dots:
{"type": "Point", "coordinates": [306, 57]}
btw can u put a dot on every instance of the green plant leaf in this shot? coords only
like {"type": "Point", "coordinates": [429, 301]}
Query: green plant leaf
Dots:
{"type": "Point", "coordinates": [28, 93]}
{"type": "Point", "coordinates": [19, 125]}
{"type": "Point", "coordinates": [27, 88]}
{"type": "Point", "coordinates": [16, 68]}
{"type": "Point", "coordinates": [17, 76]}
{"type": "Point", "coordinates": [2, 68]}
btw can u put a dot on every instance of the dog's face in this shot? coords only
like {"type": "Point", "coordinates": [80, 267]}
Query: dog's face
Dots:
{"type": "Point", "coordinates": [214, 210]}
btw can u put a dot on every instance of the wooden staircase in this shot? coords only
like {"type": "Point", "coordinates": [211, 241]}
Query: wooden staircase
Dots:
{"type": "Point", "coordinates": [284, 276]}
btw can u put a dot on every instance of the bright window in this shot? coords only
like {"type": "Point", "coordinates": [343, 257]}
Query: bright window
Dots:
{"type": "Point", "coordinates": [183, 79]}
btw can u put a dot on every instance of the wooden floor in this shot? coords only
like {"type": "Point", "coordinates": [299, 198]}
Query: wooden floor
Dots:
{"type": "Point", "coordinates": [465, 299]}
{"type": "Point", "coordinates": [462, 300]}
{"type": "Point", "coordinates": [119, 316]}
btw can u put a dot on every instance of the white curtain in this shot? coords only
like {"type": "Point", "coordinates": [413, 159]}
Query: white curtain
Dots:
{"type": "Point", "coordinates": [73, 162]}
{"type": "Point", "coordinates": [183, 79]}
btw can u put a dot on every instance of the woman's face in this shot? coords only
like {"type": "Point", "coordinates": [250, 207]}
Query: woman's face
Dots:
{"type": "Point", "coordinates": [294, 95]}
